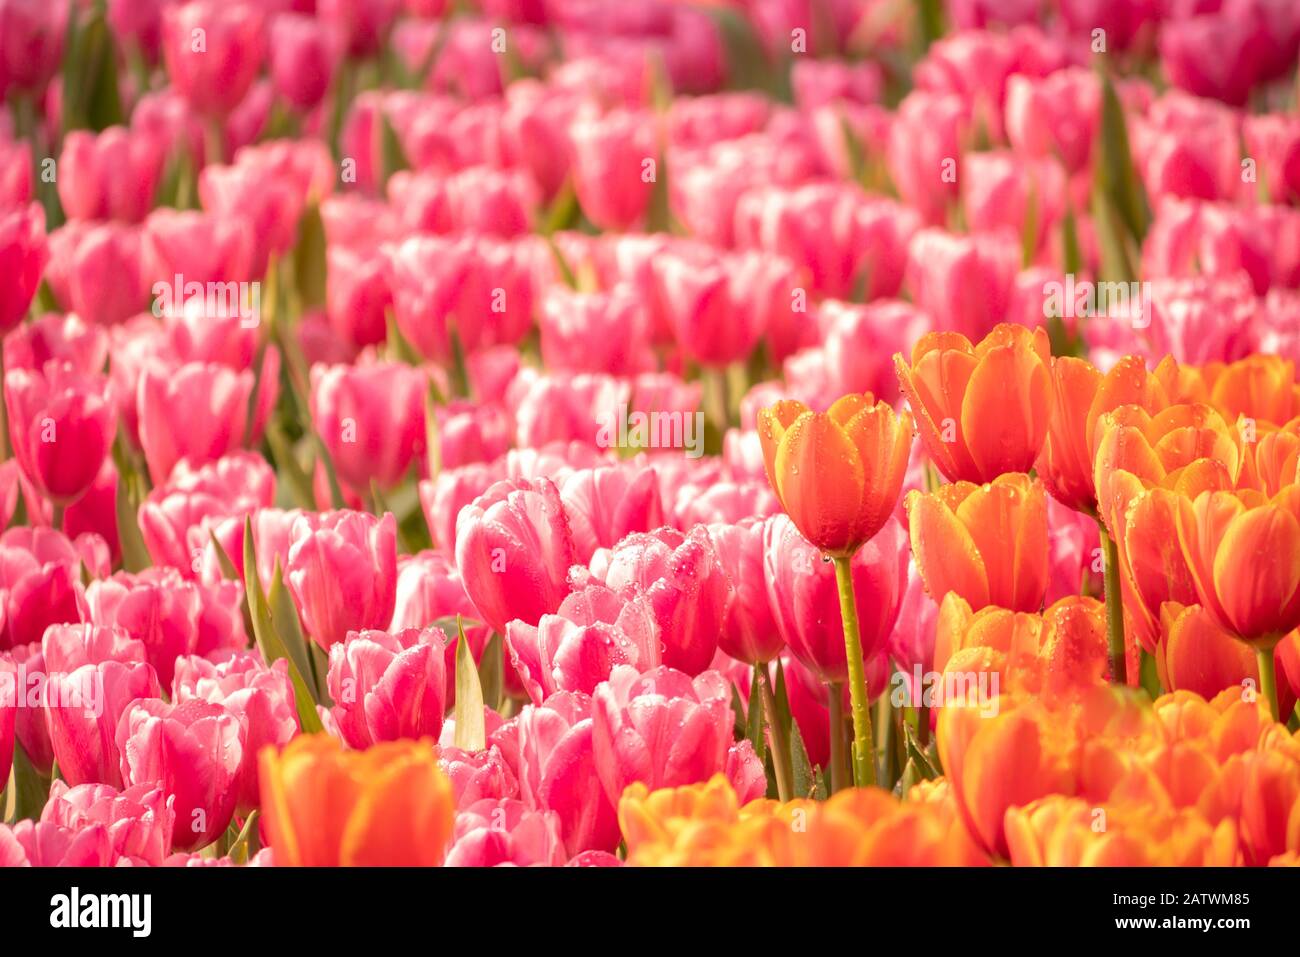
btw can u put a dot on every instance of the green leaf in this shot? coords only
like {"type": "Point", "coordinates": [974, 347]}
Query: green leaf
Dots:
{"type": "Point", "coordinates": [310, 270]}
{"type": "Point", "coordinates": [659, 217]}
{"type": "Point", "coordinates": [561, 263]}
{"type": "Point", "coordinates": [563, 211]}
{"type": "Point", "coordinates": [432, 438]}
{"type": "Point", "coordinates": [90, 88]}
{"type": "Point", "coordinates": [1149, 675]}
{"type": "Point", "coordinates": [491, 671]}
{"type": "Point", "coordinates": [800, 767]}
{"type": "Point", "coordinates": [288, 466]}
{"type": "Point", "coordinates": [392, 156]}
{"type": "Point", "coordinates": [916, 755]}
{"type": "Point", "coordinates": [398, 348]}
{"type": "Point", "coordinates": [337, 501]}
{"type": "Point", "coordinates": [471, 734]}
{"type": "Point", "coordinates": [31, 788]}
{"type": "Point", "coordinates": [737, 712]}
{"type": "Point", "coordinates": [228, 569]}
{"type": "Point", "coordinates": [1114, 173]}
{"type": "Point", "coordinates": [754, 724]}
{"type": "Point", "coordinates": [135, 557]}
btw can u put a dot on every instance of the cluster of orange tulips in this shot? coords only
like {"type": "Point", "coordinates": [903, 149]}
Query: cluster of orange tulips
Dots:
{"type": "Point", "coordinates": [1191, 475]}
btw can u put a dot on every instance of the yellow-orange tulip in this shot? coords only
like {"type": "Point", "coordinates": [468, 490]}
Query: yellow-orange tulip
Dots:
{"type": "Point", "coordinates": [987, 543]}
{"type": "Point", "coordinates": [1258, 387]}
{"type": "Point", "coordinates": [837, 473]}
{"type": "Point", "coordinates": [387, 806]}
{"type": "Point", "coordinates": [981, 410]}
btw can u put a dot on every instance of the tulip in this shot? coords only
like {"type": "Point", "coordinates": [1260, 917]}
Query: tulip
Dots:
{"type": "Point", "coordinates": [40, 583]}
{"type": "Point", "coordinates": [61, 424]}
{"type": "Point", "coordinates": [213, 52]}
{"type": "Point", "coordinates": [925, 144]}
{"type": "Point", "coordinates": [16, 178]}
{"type": "Point", "coordinates": [514, 547]}
{"type": "Point", "coordinates": [749, 632]}
{"type": "Point", "coordinates": [606, 504]}
{"type": "Point", "coordinates": [109, 175]}
{"type": "Point", "coordinates": [476, 775]}
{"type": "Point", "coordinates": [389, 806]}
{"type": "Point", "coordinates": [611, 156]}
{"type": "Point", "coordinates": [33, 34]}
{"type": "Point", "coordinates": [105, 281]}
{"type": "Point", "coordinates": [1236, 549]}
{"type": "Point", "coordinates": [986, 543]}
{"type": "Point", "coordinates": [357, 295]}
{"type": "Point", "coordinates": [139, 820]}
{"type": "Point", "coordinates": [198, 247]}
{"type": "Point", "coordinates": [1054, 115]}
{"type": "Point", "coordinates": [303, 58]}
{"type": "Point", "coordinates": [67, 338]}
{"type": "Point", "coordinates": [90, 659]}
{"type": "Point", "coordinates": [261, 698]}
{"type": "Point", "coordinates": [253, 191]}
{"type": "Point", "coordinates": [576, 648]}
{"type": "Point", "coordinates": [861, 445]}
{"type": "Point", "coordinates": [981, 410]}
{"type": "Point", "coordinates": [964, 282]}
{"type": "Point", "coordinates": [173, 427]}
{"type": "Point", "coordinates": [572, 324]}
{"type": "Point", "coordinates": [557, 763]}
{"type": "Point", "coordinates": [342, 573]}
{"type": "Point", "coordinates": [388, 686]}
{"type": "Point", "coordinates": [860, 339]}
{"type": "Point", "coordinates": [192, 750]}
{"type": "Point", "coordinates": [661, 728]}
{"type": "Point", "coordinates": [23, 255]}
{"type": "Point", "coordinates": [47, 844]}
{"type": "Point", "coordinates": [157, 607]}
{"type": "Point", "coordinates": [371, 419]}
{"type": "Point", "coordinates": [703, 297]}
{"type": "Point", "coordinates": [687, 590]}
{"type": "Point", "coordinates": [505, 832]}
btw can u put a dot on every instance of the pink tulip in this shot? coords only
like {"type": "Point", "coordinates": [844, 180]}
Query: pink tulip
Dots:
{"type": "Point", "coordinates": [157, 607]}
{"type": "Point", "coordinates": [13, 699]}
{"type": "Point", "coordinates": [964, 282]}
{"type": "Point", "coordinates": [749, 632]}
{"type": "Point", "coordinates": [610, 169]}
{"type": "Point", "coordinates": [442, 499]}
{"type": "Point", "coordinates": [1188, 147]}
{"type": "Point", "coordinates": [102, 272]}
{"type": "Point", "coordinates": [428, 589]}
{"type": "Point", "coordinates": [23, 254]}
{"type": "Point", "coordinates": [139, 820]}
{"type": "Point", "coordinates": [198, 247]}
{"type": "Point", "coordinates": [860, 339]}
{"type": "Point", "coordinates": [15, 172]}
{"type": "Point", "coordinates": [557, 766]}
{"type": "Point", "coordinates": [29, 726]}
{"type": "Point", "coordinates": [491, 833]}
{"type": "Point", "coordinates": [31, 42]}
{"type": "Point", "coordinates": [661, 728]}
{"type": "Point", "coordinates": [705, 305]}
{"type": "Point", "coordinates": [357, 296]}
{"type": "Point", "coordinates": [85, 662]}
{"type": "Point", "coordinates": [576, 648]}
{"type": "Point", "coordinates": [1000, 188]}
{"type": "Point", "coordinates": [95, 513]}
{"type": "Point", "coordinates": [109, 175]}
{"type": "Point", "coordinates": [61, 424]}
{"type": "Point", "coordinates": [342, 571]}
{"type": "Point", "coordinates": [1273, 140]}
{"type": "Point", "coordinates": [911, 642]}
{"type": "Point", "coordinates": [514, 547]}
{"type": "Point", "coordinates": [477, 775]}
{"type": "Point", "coordinates": [685, 585]}
{"type": "Point", "coordinates": [40, 583]}
{"type": "Point", "coordinates": [724, 503]}
{"type": "Point", "coordinates": [805, 601]}
{"type": "Point", "coordinates": [174, 425]}
{"type": "Point", "coordinates": [256, 194]}
{"type": "Point", "coordinates": [573, 324]}
{"type": "Point", "coordinates": [606, 504]}
{"type": "Point", "coordinates": [47, 844]}
{"type": "Point", "coordinates": [371, 419]}
{"type": "Point", "coordinates": [304, 55]}
{"type": "Point", "coordinates": [388, 686]}
{"type": "Point", "coordinates": [192, 751]}
{"type": "Point", "coordinates": [1056, 115]}
{"type": "Point", "coordinates": [261, 698]}
{"type": "Point", "coordinates": [471, 432]}
{"type": "Point", "coordinates": [926, 143]}
{"type": "Point", "coordinates": [67, 338]}
{"type": "Point", "coordinates": [745, 772]}
{"type": "Point", "coordinates": [1214, 56]}
{"type": "Point", "coordinates": [213, 52]}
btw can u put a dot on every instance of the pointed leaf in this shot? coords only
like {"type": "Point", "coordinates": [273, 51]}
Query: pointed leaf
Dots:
{"type": "Point", "coordinates": [471, 734]}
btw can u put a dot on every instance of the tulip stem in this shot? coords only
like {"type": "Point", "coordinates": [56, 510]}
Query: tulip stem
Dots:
{"type": "Point", "coordinates": [1268, 680]}
{"type": "Point", "coordinates": [780, 746]}
{"type": "Point", "coordinates": [864, 773]}
{"type": "Point", "coordinates": [835, 707]}
{"type": "Point", "coordinates": [1114, 610]}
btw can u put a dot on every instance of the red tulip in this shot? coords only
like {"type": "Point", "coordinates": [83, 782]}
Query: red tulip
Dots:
{"type": "Point", "coordinates": [23, 254]}
{"type": "Point", "coordinates": [303, 53]}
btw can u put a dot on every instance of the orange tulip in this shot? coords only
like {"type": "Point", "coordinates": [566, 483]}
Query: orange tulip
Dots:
{"type": "Point", "coordinates": [987, 543]}
{"type": "Point", "coordinates": [1258, 387]}
{"type": "Point", "coordinates": [1195, 654]}
{"type": "Point", "coordinates": [1243, 551]}
{"type": "Point", "coordinates": [1061, 831]}
{"type": "Point", "coordinates": [837, 474]}
{"type": "Point", "coordinates": [390, 805]}
{"type": "Point", "coordinates": [1273, 460]}
{"type": "Point", "coordinates": [981, 410]}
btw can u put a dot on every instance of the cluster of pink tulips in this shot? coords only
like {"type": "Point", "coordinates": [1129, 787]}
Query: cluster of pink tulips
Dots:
{"type": "Point", "coordinates": [481, 432]}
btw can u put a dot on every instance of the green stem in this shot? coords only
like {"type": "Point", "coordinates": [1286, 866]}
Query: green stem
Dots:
{"type": "Point", "coordinates": [780, 746]}
{"type": "Point", "coordinates": [864, 773]}
{"type": "Point", "coordinates": [1268, 679]}
{"type": "Point", "coordinates": [1114, 610]}
{"type": "Point", "coordinates": [835, 706]}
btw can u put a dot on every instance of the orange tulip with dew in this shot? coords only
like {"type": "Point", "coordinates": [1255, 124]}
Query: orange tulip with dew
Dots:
{"type": "Point", "coordinates": [983, 409]}
{"type": "Point", "coordinates": [837, 474]}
